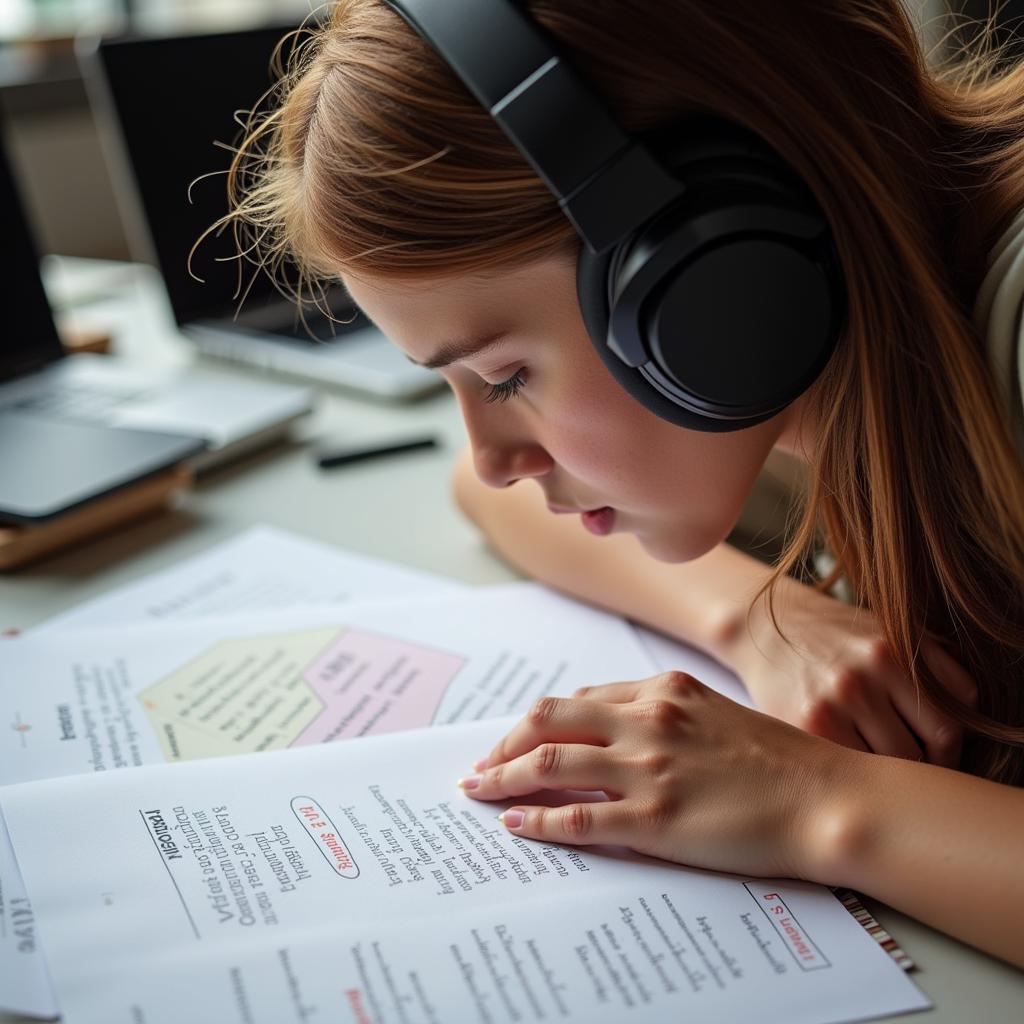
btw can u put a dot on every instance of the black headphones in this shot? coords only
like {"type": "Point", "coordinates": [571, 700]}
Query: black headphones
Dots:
{"type": "Point", "coordinates": [707, 277]}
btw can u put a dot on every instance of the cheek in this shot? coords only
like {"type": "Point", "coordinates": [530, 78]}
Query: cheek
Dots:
{"type": "Point", "coordinates": [588, 441]}
{"type": "Point", "coordinates": [696, 493]}
{"type": "Point", "coordinates": [595, 428]}
{"type": "Point", "coordinates": [684, 489]}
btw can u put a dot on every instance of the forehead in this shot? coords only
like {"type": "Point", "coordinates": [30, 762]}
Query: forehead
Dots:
{"type": "Point", "coordinates": [470, 290]}
{"type": "Point", "coordinates": [424, 295]}
{"type": "Point", "coordinates": [419, 313]}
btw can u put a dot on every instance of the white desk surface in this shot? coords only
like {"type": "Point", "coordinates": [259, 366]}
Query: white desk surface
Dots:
{"type": "Point", "coordinates": [399, 509]}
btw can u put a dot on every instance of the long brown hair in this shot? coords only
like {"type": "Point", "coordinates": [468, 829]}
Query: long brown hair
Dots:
{"type": "Point", "coordinates": [374, 157]}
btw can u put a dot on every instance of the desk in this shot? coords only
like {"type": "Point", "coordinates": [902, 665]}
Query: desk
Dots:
{"type": "Point", "coordinates": [399, 509]}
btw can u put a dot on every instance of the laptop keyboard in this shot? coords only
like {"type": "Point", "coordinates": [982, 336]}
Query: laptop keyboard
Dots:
{"type": "Point", "coordinates": [75, 403]}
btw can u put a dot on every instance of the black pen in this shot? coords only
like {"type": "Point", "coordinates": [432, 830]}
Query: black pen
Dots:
{"type": "Point", "coordinates": [343, 456]}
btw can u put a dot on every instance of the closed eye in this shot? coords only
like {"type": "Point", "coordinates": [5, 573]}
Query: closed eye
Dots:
{"type": "Point", "coordinates": [507, 388]}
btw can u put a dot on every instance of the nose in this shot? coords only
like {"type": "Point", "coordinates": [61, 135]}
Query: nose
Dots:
{"type": "Point", "coordinates": [504, 451]}
{"type": "Point", "coordinates": [501, 464]}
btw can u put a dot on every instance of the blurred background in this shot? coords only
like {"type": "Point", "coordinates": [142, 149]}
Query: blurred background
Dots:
{"type": "Point", "coordinates": [51, 132]}
{"type": "Point", "coordinates": [54, 141]}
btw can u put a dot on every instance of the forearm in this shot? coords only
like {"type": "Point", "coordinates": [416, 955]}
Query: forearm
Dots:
{"type": "Point", "coordinates": [939, 845]}
{"type": "Point", "coordinates": [703, 602]}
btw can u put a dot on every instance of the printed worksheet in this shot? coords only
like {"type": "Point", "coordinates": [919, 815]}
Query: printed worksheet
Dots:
{"type": "Point", "coordinates": [268, 568]}
{"type": "Point", "coordinates": [355, 882]}
{"type": "Point", "coordinates": [263, 568]}
{"type": "Point", "coordinates": [91, 701]}
{"type": "Point", "coordinates": [98, 700]}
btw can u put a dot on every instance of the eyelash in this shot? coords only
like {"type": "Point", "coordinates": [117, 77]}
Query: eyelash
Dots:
{"type": "Point", "coordinates": [507, 388]}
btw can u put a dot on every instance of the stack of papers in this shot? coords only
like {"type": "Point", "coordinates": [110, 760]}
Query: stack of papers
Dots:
{"type": "Point", "coordinates": [255, 866]}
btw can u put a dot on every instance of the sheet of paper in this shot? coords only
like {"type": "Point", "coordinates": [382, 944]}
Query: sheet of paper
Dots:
{"type": "Point", "coordinates": [262, 568]}
{"type": "Point", "coordinates": [354, 882]}
{"type": "Point", "coordinates": [25, 985]}
{"type": "Point", "coordinates": [268, 568]}
{"type": "Point", "coordinates": [91, 701]}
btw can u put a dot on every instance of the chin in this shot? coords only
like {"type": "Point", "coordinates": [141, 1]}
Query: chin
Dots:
{"type": "Point", "coordinates": [680, 547]}
{"type": "Point", "coordinates": [670, 541]}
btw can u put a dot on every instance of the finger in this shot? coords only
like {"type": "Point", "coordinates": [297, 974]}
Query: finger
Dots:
{"type": "Point", "coordinates": [830, 723]}
{"type": "Point", "coordinates": [672, 683]}
{"type": "Point", "coordinates": [549, 766]}
{"type": "Point", "coordinates": [848, 736]}
{"type": "Point", "coordinates": [950, 673]}
{"type": "Point", "coordinates": [553, 720]}
{"type": "Point", "coordinates": [576, 824]}
{"type": "Point", "coordinates": [940, 735]}
{"type": "Point", "coordinates": [869, 704]}
{"type": "Point", "coordinates": [611, 693]}
{"type": "Point", "coordinates": [886, 732]}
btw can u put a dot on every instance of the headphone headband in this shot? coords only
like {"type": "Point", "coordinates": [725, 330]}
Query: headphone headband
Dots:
{"type": "Point", "coordinates": [606, 182]}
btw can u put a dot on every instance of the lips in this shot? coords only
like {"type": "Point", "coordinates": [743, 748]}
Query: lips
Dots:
{"type": "Point", "coordinates": [599, 521]}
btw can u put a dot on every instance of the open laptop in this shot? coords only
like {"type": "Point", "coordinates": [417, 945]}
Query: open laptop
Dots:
{"type": "Point", "coordinates": [166, 110]}
{"type": "Point", "coordinates": [75, 427]}
{"type": "Point", "coordinates": [49, 465]}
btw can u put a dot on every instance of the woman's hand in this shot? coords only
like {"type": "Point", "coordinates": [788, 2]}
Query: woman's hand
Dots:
{"type": "Point", "coordinates": [692, 777]}
{"type": "Point", "coordinates": [832, 675]}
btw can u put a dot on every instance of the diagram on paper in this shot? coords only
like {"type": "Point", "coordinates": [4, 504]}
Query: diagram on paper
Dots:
{"type": "Point", "coordinates": [268, 692]}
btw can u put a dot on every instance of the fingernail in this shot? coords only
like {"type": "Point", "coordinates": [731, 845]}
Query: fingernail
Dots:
{"type": "Point", "coordinates": [470, 782]}
{"type": "Point", "coordinates": [480, 765]}
{"type": "Point", "coordinates": [511, 819]}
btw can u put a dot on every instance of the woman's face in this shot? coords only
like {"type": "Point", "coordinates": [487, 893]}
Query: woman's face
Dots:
{"type": "Point", "coordinates": [540, 406]}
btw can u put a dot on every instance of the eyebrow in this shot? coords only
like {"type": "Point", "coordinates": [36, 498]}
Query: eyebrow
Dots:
{"type": "Point", "coordinates": [454, 351]}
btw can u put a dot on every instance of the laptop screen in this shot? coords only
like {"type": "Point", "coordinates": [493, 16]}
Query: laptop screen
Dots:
{"type": "Point", "coordinates": [174, 100]}
{"type": "Point", "coordinates": [28, 340]}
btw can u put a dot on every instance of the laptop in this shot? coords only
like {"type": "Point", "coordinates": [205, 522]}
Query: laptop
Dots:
{"type": "Point", "coordinates": [73, 428]}
{"type": "Point", "coordinates": [166, 108]}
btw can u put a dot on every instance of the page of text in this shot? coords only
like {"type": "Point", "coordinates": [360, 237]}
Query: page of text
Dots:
{"type": "Point", "coordinates": [96, 701]}
{"type": "Point", "coordinates": [355, 881]}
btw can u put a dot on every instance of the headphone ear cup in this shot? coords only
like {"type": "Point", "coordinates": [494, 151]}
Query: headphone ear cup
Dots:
{"type": "Point", "coordinates": [592, 290]}
{"type": "Point", "coordinates": [730, 302]}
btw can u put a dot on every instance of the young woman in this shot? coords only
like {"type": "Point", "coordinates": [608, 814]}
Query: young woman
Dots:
{"type": "Point", "coordinates": [379, 167]}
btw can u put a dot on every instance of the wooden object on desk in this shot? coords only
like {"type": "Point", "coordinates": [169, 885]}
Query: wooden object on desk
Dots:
{"type": "Point", "coordinates": [20, 545]}
{"type": "Point", "coordinates": [80, 339]}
